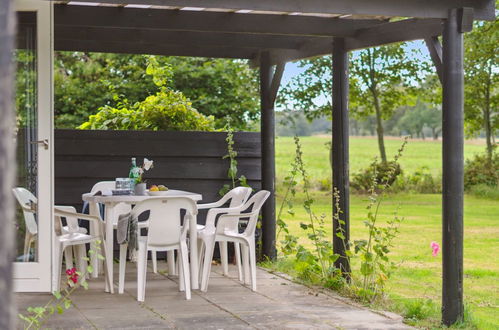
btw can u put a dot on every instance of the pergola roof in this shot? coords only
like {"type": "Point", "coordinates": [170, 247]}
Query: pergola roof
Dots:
{"type": "Point", "coordinates": [287, 29]}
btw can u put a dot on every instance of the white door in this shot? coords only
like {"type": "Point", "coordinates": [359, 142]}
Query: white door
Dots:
{"type": "Point", "coordinates": [34, 94]}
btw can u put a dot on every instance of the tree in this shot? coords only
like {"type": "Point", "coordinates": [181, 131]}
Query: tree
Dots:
{"type": "Point", "coordinates": [420, 117]}
{"type": "Point", "coordinates": [166, 110]}
{"type": "Point", "coordinates": [219, 87]}
{"type": "Point", "coordinates": [84, 82]}
{"type": "Point", "coordinates": [381, 80]}
{"type": "Point", "coordinates": [481, 107]}
{"type": "Point", "coordinates": [87, 81]}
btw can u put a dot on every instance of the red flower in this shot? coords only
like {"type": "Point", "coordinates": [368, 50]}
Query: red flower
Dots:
{"type": "Point", "coordinates": [74, 278]}
{"type": "Point", "coordinates": [71, 271]}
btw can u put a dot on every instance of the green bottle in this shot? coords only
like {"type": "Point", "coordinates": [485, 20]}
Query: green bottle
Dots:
{"type": "Point", "coordinates": [134, 170]}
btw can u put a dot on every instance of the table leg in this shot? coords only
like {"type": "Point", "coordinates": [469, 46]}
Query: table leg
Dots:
{"type": "Point", "coordinates": [109, 244]}
{"type": "Point", "coordinates": [94, 261]}
{"type": "Point", "coordinates": [193, 241]}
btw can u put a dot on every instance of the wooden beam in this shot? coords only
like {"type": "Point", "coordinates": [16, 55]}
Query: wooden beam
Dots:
{"type": "Point", "coordinates": [167, 37]}
{"type": "Point", "coordinates": [435, 49]}
{"type": "Point", "coordinates": [276, 80]}
{"type": "Point", "coordinates": [154, 49]}
{"type": "Point", "coordinates": [484, 9]}
{"type": "Point", "coordinates": [406, 30]}
{"type": "Point", "coordinates": [7, 164]}
{"type": "Point", "coordinates": [118, 17]}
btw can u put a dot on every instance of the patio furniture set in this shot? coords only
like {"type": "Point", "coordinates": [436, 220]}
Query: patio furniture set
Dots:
{"type": "Point", "coordinates": [166, 223]}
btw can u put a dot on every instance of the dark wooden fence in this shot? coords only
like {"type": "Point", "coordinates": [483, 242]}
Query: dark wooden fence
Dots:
{"type": "Point", "coordinates": [182, 160]}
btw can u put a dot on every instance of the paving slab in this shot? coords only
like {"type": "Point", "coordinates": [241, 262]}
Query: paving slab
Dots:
{"type": "Point", "coordinates": [278, 304]}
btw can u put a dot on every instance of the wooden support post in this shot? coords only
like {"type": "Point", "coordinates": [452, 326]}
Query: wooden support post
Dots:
{"type": "Point", "coordinates": [340, 153]}
{"type": "Point", "coordinates": [268, 155]}
{"type": "Point", "coordinates": [7, 164]}
{"type": "Point", "coordinates": [453, 163]}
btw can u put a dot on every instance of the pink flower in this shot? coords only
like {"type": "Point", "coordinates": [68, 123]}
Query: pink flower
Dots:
{"type": "Point", "coordinates": [71, 271]}
{"type": "Point", "coordinates": [74, 278]}
{"type": "Point", "coordinates": [435, 247]}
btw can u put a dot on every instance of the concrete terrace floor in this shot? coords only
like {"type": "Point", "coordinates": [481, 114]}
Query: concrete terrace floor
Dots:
{"type": "Point", "coordinates": [278, 304]}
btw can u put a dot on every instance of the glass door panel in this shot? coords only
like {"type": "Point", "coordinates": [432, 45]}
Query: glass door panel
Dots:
{"type": "Point", "coordinates": [27, 135]}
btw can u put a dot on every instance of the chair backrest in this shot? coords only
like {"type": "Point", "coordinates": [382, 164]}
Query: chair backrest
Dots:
{"type": "Point", "coordinates": [238, 196]}
{"type": "Point", "coordinates": [119, 209]}
{"type": "Point", "coordinates": [103, 185]}
{"type": "Point", "coordinates": [253, 206]}
{"type": "Point", "coordinates": [164, 220]}
{"type": "Point", "coordinates": [26, 198]}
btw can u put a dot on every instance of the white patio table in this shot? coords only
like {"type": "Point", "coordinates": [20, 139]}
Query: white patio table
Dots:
{"type": "Point", "coordinates": [111, 201]}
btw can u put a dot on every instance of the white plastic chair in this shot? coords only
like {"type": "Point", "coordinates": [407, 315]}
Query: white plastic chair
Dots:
{"type": "Point", "coordinates": [28, 203]}
{"type": "Point", "coordinates": [95, 209]}
{"type": "Point", "coordinates": [227, 230]}
{"type": "Point", "coordinates": [165, 233]}
{"type": "Point", "coordinates": [237, 197]}
{"type": "Point", "coordinates": [73, 238]}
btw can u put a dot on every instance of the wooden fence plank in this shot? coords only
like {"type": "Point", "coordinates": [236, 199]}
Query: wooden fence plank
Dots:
{"type": "Point", "coordinates": [183, 160]}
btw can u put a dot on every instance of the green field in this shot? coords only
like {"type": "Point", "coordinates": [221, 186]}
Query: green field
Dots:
{"type": "Point", "coordinates": [362, 152]}
{"type": "Point", "coordinates": [418, 274]}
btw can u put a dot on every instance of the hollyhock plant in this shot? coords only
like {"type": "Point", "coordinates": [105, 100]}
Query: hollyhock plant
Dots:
{"type": "Point", "coordinates": [72, 275]}
{"type": "Point", "coordinates": [435, 248]}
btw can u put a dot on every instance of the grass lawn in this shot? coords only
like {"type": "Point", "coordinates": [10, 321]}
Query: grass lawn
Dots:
{"type": "Point", "coordinates": [418, 274]}
{"type": "Point", "coordinates": [418, 153]}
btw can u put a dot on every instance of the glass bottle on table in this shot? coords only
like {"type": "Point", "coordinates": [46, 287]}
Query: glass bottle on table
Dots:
{"type": "Point", "coordinates": [134, 173]}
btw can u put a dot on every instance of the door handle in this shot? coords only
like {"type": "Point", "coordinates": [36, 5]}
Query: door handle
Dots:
{"type": "Point", "coordinates": [44, 142]}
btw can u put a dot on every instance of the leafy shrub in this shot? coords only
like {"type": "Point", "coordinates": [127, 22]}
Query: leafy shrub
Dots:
{"type": "Point", "coordinates": [109, 118]}
{"type": "Point", "coordinates": [383, 172]}
{"type": "Point", "coordinates": [481, 170]}
{"type": "Point", "coordinates": [421, 181]}
{"type": "Point", "coordinates": [171, 110]}
{"type": "Point", "coordinates": [325, 184]}
{"type": "Point", "coordinates": [167, 110]}
{"type": "Point", "coordinates": [485, 191]}
{"type": "Point", "coordinates": [418, 309]}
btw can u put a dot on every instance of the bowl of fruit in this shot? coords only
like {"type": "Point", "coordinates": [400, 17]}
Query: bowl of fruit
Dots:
{"type": "Point", "coordinates": [157, 190]}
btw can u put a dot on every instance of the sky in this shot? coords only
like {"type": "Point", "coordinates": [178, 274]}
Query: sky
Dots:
{"type": "Point", "coordinates": [292, 69]}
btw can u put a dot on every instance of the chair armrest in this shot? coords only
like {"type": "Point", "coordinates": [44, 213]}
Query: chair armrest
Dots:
{"type": "Point", "coordinates": [65, 208]}
{"type": "Point", "coordinates": [62, 213]}
{"type": "Point", "coordinates": [27, 208]}
{"type": "Point", "coordinates": [212, 213]}
{"type": "Point", "coordinates": [218, 203]}
{"type": "Point", "coordinates": [224, 220]}
{"type": "Point", "coordinates": [238, 216]}
{"type": "Point", "coordinates": [210, 205]}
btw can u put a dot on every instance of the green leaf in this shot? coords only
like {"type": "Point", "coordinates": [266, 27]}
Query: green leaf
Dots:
{"type": "Point", "coordinates": [67, 303]}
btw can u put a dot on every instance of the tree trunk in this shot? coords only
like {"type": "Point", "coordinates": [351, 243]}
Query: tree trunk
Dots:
{"type": "Point", "coordinates": [486, 119]}
{"type": "Point", "coordinates": [7, 164]}
{"type": "Point", "coordinates": [379, 128]}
